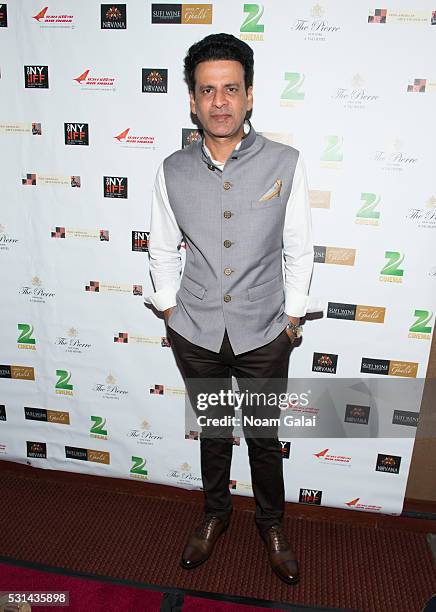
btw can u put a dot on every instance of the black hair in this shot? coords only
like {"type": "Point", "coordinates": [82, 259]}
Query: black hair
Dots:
{"type": "Point", "coordinates": [219, 47]}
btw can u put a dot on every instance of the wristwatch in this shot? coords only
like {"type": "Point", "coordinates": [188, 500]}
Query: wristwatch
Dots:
{"type": "Point", "coordinates": [297, 330]}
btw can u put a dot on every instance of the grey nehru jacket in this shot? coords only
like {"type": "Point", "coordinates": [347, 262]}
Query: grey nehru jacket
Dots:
{"type": "Point", "coordinates": [232, 222]}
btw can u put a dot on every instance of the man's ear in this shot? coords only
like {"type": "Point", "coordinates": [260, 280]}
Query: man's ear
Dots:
{"type": "Point", "coordinates": [250, 98]}
{"type": "Point", "coordinates": [192, 102]}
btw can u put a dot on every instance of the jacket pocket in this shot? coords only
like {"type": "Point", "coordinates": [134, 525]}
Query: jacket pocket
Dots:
{"type": "Point", "coordinates": [193, 287]}
{"type": "Point", "coordinates": [266, 289]}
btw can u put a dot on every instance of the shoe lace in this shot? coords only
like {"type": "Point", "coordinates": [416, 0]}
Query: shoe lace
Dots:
{"type": "Point", "coordinates": [278, 538]}
{"type": "Point", "coordinates": [207, 527]}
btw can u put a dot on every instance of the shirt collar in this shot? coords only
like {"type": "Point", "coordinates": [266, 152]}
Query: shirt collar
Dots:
{"type": "Point", "coordinates": [218, 164]}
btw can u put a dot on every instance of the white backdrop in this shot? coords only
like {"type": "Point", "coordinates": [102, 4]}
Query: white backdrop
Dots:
{"type": "Point", "coordinates": [92, 99]}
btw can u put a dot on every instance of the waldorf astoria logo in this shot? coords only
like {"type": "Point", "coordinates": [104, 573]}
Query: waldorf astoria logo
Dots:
{"type": "Point", "coordinates": [48, 416]}
{"type": "Point", "coordinates": [389, 367]}
{"type": "Point", "coordinates": [325, 363]}
{"type": "Point", "coordinates": [76, 134]}
{"type": "Point", "coordinates": [87, 454]}
{"type": "Point", "coordinates": [140, 241]}
{"type": "Point", "coordinates": [154, 80]}
{"type": "Point", "coordinates": [181, 13]}
{"type": "Point", "coordinates": [405, 417]}
{"type": "Point", "coordinates": [36, 77]}
{"type": "Point", "coordinates": [113, 17]}
{"type": "Point", "coordinates": [115, 187]}
{"type": "Point", "coordinates": [356, 312]}
{"type": "Point", "coordinates": [388, 463]}
{"type": "Point", "coordinates": [310, 496]}
{"type": "Point", "coordinates": [357, 414]}
{"type": "Point", "coordinates": [334, 255]}
{"type": "Point", "coordinates": [36, 450]}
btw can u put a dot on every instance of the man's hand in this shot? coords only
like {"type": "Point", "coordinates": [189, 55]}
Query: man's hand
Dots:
{"type": "Point", "coordinates": [167, 312]}
{"type": "Point", "coordinates": [295, 321]}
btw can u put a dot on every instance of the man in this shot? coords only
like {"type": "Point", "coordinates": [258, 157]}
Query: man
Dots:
{"type": "Point", "coordinates": [239, 201]}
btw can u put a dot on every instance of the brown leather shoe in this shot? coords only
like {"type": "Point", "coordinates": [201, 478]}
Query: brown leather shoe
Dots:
{"type": "Point", "coordinates": [200, 544]}
{"type": "Point", "coordinates": [281, 555]}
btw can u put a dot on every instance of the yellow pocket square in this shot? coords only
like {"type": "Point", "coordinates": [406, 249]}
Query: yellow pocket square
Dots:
{"type": "Point", "coordinates": [273, 192]}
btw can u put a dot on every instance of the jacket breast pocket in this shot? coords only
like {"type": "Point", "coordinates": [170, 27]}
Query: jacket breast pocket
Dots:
{"type": "Point", "coordinates": [192, 287]}
{"type": "Point", "coordinates": [266, 289]}
{"type": "Point", "coordinates": [261, 204]}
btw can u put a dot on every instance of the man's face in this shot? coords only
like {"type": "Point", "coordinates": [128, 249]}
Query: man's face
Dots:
{"type": "Point", "coordinates": [220, 100]}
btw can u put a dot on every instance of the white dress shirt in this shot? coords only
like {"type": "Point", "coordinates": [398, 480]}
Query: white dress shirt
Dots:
{"type": "Point", "coordinates": [165, 236]}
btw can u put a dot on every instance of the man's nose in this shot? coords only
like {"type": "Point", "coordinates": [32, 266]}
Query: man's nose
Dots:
{"type": "Point", "coordinates": [219, 99]}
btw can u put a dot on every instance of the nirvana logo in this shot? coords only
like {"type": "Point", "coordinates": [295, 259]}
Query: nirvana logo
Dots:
{"type": "Point", "coordinates": [37, 450]}
{"type": "Point", "coordinates": [405, 417]}
{"type": "Point", "coordinates": [388, 463]}
{"type": "Point", "coordinates": [36, 77]}
{"type": "Point", "coordinates": [325, 363]}
{"type": "Point", "coordinates": [154, 80]}
{"type": "Point", "coordinates": [310, 496]}
{"type": "Point", "coordinates": [76, 134]}
{"type": "Point", "coordinates": [357, 414]}
{"type": "Point", "coordinates": [115, 187]}
{"type": "Point", "coordinates": [140, 241]}
{"type": "Point", "coordinates": [190, 135]}
{"type": "Point", "coordinates": [113, 17]}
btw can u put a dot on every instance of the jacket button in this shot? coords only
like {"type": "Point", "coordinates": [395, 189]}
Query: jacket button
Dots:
{"type": "Point", "coordinates": [227, 243]}
{"type": "Point", "coordinates": [227, 297]}
{"type": "Point", "coordinates": [211, 167]}
{"type": "Point", "coordinates": [227, 214]}
{"type": "Point", "coordinates": [227, 185]}
{"type": "Point", "coordinates": [227, 271]}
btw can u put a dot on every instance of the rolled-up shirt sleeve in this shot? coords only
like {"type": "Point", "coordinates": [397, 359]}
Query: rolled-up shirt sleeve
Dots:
{"type": "Point", "coordinates": [298, 245]}
{"type": "Point", "coordinates": [163, 247]}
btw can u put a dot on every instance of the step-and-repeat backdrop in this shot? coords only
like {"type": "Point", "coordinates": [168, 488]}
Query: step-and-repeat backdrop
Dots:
{"type": "Point", "coordinates": [92, 99]}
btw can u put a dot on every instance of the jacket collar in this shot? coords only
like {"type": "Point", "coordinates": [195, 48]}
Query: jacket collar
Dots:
{"type": "Point", "coordinates": [246, 142]}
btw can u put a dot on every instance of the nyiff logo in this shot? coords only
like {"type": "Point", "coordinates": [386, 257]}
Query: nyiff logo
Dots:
{"type": "Point", "coordinates": [36, 450]}
{"type": "Point", "coordinates": [367, 213]}
{"type": "Point", "coordinates": [140, 241]}
{"type": "Point", "coordinates": [190, 135]}
{"type": "Point", "coordinates": [113, 17]}
{"type": "Point", "coordinates": [181, 13]}
{"type": "Point", "coordinates": [98, 430]}
{"type": "Point", "coordinates": [356, 505]}
{"type": "Point", "coordinates": [25, 340]}
{"type": "Point", "coordinates": [138, 470]}
{"type": "Point", "coordinates": [76, 134]}
{"type": "Point", "coordinates": [59, 20]}
{"type": "Point", "coordinates": [126, 139]}
{"type": "Point", "coordinates": [391, 271]}
{"type": "Point", "coordinates": [389, 367]}
{"type": "Point", "coordinates": [332, 155]}
{"type": "Point", "coordinates": [3, 413]}
{"type": "Point", "coordinates": [36, 77]}
{"type": "Point", "coordinates": [334, 255]}
{"type": "Point", "coordinates": [91, 82]}
{"type": "Point", "coordinates": [251, 29]}
{"type": "Point", "coordinates": [63, 386]}
{"type": "Point", "coordinates": [285, 448]}
{"type": "Point", "coordinates": [356, 312]}
{"type": "Point", "coordinates": [48, 416]}
{"type": "Point", "coordinates": [325, 457]}
{"type": "Point", "coordinates": [17, 372]}
{"type": "Point", "coordinates": [388, 463]}
{"type": "Point", "coordinates": [154, 80]}
{"type": "Point", "coordinates": [3, 16]}
{"type": "Point", "coordinates": [87, 454]}
{"type": "Point", "coordinates": [405, 417]}
{"type": "Point", "coordinates": [357, 414]}
{"type": "Point", "coordinates": [310, 496]}
{"type": "Point", "coordinates": [420, 329]}
{"type": "Point", "coordinates": [115, 187]}
{"type": "Point", "coordinates": [319, 199]}
{"type": "Point", "coordinates": [292, 92]}
{"type": "Point", "coordinates": [325, 363]}
{"type": "Point", "coordinates": [377, 16]}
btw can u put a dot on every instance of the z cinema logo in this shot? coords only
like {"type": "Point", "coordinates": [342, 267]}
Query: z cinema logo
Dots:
{"type": "Point", "coordinates": [181, 13]}
{"type": "Point", "coordinates": [36, 77]}
{"type": "Point", "coordinates": [115, 187]}
{"type": "Point", "coordinates": [388, 463]}
{"type": "Point", "coordinates": [310, 496]}
{"type": "Point", "coordinates": [113, 17]}
{"type": "Point", "coordinates": [251, 29]}
{"type": "Point", "coordinates": [325, 363]}
{"type": "Point", "coordinates": [356, 312]}
{"type": "Point", "coordinates": [154, 80]}
{"type": "Point", "coordinates": [391, 271]}
{"type": "Point", "coordinates": [389, 367]}
{"type": "Point", "coordinates": [76, 133]}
